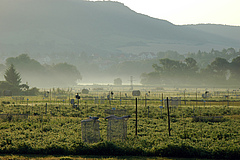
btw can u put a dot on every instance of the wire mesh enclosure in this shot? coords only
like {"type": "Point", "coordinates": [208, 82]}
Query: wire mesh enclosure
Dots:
{"type": "Point", "coordinates": [90, 130]}
{"type": "Point", "coordinates": [117, 128]}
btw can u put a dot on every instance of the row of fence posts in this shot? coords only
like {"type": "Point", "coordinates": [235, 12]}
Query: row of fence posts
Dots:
{"type": "Point", "coordinates": [110, 98]}
{"type": "Point", "coordinates": [168, 112]}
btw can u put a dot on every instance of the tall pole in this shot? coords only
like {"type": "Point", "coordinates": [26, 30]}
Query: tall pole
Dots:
{"type": "Point", "coordinates": [148, 111]}
{"type": "Point", "coordinates": [196, 97]}
{"type": "Point", "coordinates": [109, 98]}
{"type": "Point", "coordinates": [169, 129]}
{"type": "Point", "coordinates": [46, 109]}
{"type": "Point", "coordinates": [136, 119]}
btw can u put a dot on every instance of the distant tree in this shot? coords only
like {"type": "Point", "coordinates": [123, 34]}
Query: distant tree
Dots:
{"type": "Point", "coordinates": [12, 76]}
{"type": "Point", "coordinates": [2, 68]}
{"type": "Point", "coordinates": [60, 74]}
{"type": "Point", "coordinates": [191, 69]}
{"type": "Point", "coordinates": [172, 72]}
{"type": "Point", "coordinates": [64, 74]}
{"type": "Point", "coordinates": [220, 65]}
{"type": "Point", "coordinates": [118, 81]}
{"type": "Point", "coordinates": [31, 70]}
{"type": "Point", "coordinates": [4, 85]}
{"type": "Point", "coordinates": [231, 51]}
{"type": "Point", "coordinates": [169, 71]}
{"type": "Point", "coordinates": [216, 72]}
{"type": "Point", "coordinates": [151, 78]}
{"type": "Point", "coordinates": [25, 64]}
{"type": "Point", "coordinates": [235, 69]}
{"type": "Point", "coordinates": [66, 69]}
{"type": "Point", "coordinates": [191, 64]}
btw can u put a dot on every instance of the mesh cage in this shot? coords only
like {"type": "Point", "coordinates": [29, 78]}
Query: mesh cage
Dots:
{"type": "Point", "coordinates": [90, 130]}
{"type": "Point", "coordinates": [117, 128]}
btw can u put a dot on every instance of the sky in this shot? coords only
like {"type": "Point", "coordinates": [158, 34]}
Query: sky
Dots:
{"type": "Point", "coordinates": [180, 12]}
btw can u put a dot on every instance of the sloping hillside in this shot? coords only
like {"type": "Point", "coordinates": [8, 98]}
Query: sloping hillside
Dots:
{"type": "Point", "coordinates": [41, 27]}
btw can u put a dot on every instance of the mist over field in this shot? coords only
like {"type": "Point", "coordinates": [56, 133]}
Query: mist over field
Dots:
{"type": "Point", "coordinates": [98, 42]}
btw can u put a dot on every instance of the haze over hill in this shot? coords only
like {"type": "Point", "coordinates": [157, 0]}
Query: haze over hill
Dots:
{"type": "Point", "coordinates": [53, 31]}
{"type": "Point", "coordinates": [46, 26]}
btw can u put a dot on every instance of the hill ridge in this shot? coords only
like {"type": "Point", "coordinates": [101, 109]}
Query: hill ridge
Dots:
{"type": "Point", "coordinates": [104, 28]}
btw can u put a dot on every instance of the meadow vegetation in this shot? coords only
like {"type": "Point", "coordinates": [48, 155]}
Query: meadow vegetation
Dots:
{"type": "Point", "coordinates": [200, 128]}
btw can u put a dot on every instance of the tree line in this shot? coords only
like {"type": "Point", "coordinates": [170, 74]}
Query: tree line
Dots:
{"type": "Point", "coordinates": [12, 84]}
{"type": "Point", "coordinates": [219, 72]}
{"type": "Point", "coordinates": [29, 71]}
{"type": "Point", "coordinates": [201, 68]}
{"type": "Point", "coordinates": [134, 66]}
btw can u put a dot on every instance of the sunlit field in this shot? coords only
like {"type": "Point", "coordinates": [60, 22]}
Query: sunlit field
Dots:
{"type": "Point", "coordinates": [203, 123]}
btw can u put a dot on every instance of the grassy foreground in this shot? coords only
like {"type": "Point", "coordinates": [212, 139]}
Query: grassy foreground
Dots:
{"type": "Point", "coordinates": [57, 131]}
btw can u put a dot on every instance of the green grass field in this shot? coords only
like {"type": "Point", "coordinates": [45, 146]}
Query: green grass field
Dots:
{"type": "Point", "coordinates": [200, 128]}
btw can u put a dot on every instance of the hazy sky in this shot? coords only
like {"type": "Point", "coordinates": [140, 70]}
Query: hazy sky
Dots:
{"type": "Point", "coordinates": [189, 11]}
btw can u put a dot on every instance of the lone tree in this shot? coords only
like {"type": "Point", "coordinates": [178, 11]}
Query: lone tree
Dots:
{"type": "Point", "coordinates": [12, 76]}
{"type": "Point", "coordinates": [117, 81]}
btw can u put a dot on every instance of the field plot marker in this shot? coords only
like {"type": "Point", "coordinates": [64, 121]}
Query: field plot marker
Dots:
{"type": "Point", "coordinates": [136, 93]}
{"type": "Point", "coordinates": [169, 129]}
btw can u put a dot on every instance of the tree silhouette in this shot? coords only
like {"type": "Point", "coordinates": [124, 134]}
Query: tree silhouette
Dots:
{"type": "Point", "coordinates": [118, 81]}
{"type": "Point", "coordinates": [12, 76]}
{"type": "Point", "coordinates": [235, 69]}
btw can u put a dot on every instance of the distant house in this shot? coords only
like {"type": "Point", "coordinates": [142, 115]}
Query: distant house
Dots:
{"type": "Point", "coordinates": [147, 55]}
